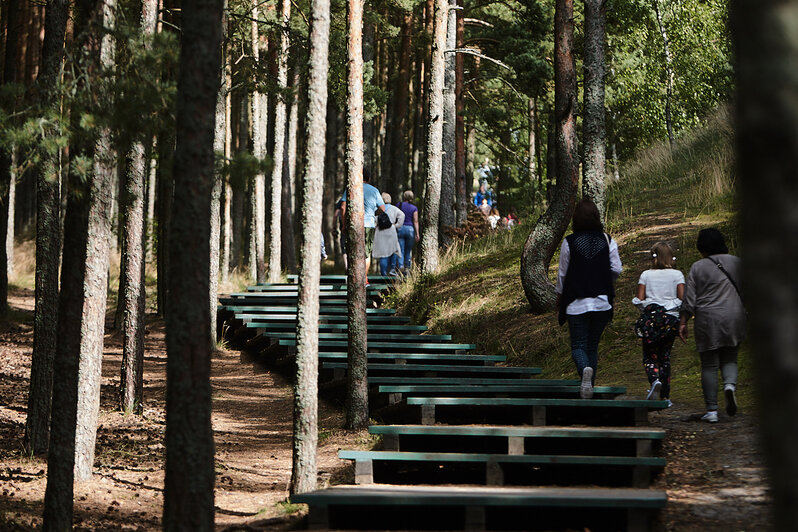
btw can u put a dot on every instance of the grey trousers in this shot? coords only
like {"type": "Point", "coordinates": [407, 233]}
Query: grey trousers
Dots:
{"type": "Point", "coordinates": [724, 358]}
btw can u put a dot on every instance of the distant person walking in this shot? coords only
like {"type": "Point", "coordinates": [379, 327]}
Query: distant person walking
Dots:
{"type": "Point", "coordinates": [589, 265]}
{"type": "Point", "coordinates": [659, 296]}
{"type": "Point", "coordinates": [484, 193]}
{"type": "Point", "coordinates": [713, 297]}
{"type": "Point", "coordinates": [409, 232]}
{"type": "Point", "coordinates": [372, 202]}
{"type": "Point", "coordinates": [386, 241]}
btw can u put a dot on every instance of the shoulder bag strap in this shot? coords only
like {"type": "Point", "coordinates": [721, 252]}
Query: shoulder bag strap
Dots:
{"type": "Point", "coordinates": [729, 277]}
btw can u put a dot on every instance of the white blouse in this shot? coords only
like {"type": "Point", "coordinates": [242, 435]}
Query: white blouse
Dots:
{"type": "Point", "coordinates": [587, 304]}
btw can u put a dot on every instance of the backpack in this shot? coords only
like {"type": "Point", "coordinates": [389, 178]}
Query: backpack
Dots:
{"type": "Point", "coordinates": [383, 220]}
{"type": "Point", "coordinates": [655, 324]}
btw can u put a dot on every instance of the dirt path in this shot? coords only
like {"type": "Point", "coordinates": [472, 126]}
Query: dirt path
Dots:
{"type": "Point", "coordinates": [252, 412]}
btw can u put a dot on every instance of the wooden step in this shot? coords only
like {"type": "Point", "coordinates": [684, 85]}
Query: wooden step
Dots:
{"type": "Point", "coordinates": [332, 279]}
{"type": "Point", "coordinates": [380, 345]}
{"type": "Point", "coordinates": [499, 390]}
{"type": "Point", "coordinates": [379, 507]}
{"type": "Point", "coordinates": [323, 318]}
{"type": "Point", "coordinates": [511, 380]}
{"type": "Point", "coordinates": [638, 467]}
{"type": "Point", "coordinates": [538, 410]}
{"type": "Point", "coordinates": [278, 287]}
{"type": "Point", "coordinates": [403, 369]}
{"type": "Point", "coordinates": [402, 358]}
{"type": "Point", "coordinates": [291, 309]}
{"type": "Point", "coordinates": [377, 335]}
{"type": "Point", "coordinates": [289, 326]}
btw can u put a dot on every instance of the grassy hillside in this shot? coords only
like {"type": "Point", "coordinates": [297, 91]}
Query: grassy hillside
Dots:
{"type": "Point", "coordinates": [664, 195]}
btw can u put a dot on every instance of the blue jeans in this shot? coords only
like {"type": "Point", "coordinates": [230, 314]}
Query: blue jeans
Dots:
{"type": "Point", "coordinates": [407, 239]}
{"type": "Point", "coordinates": [388, 264]}
{"type": "Point", "coordinates": [586, 332]}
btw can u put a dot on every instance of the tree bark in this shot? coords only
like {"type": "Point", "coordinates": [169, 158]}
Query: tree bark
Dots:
{"type": "Point", "coordinates": [401, 95]}
{"type": "Point", "coordinates": [594, 131]}
{"type": "Point", "coordinates": [546, 234]}
{"type": "Point", "coordinates": [532, 146]}
{"type": "Point", "coordinates": [447, 205]}
{"type": "Point", "coordinates": [304, 471]}
{"type": "Point", "coordinates": [189, 480]}
{"type": "Point", "coordinates": [289, 183]}
{"type": "Point", "coordinates": [357, 412]}
{"type": "Point", "coordinates": [48, 241]}
{"type": "Point", "coordinates": [666, 49]}
{"type": "Point", "coordinates": [767, 123]}
{"type": "Point", "coordinates": [257, 200]}
{"type": "Point", "coordinates": [275, 233]}
{"type": "Point", "coordinates": [432, 198]}
{"type": "Point", "coordinates": [459, 127]}
{"type": "Point", "coordinates": [227, 200]}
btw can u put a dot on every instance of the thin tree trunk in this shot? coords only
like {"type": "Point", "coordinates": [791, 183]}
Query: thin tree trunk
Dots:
{"type": "Point", "coordinates": [616, 166]}
{"type": "Point", "coordinates": [275, 233]}
{"type": "Point", "coordinates": [12, 201]}
{"type": "Point", "coordinates": [289, 183]}
{"type": "Point", "coordinates": [48, 241]}
{"type": "Point", "coordinates": [152, 187]}
{"type": "Point", "coordinates": [594, 122]}
{"type": "Point", "coordinates": [767, 119]}
{"type": "Point", "coordinates": [304, 471]}
{"type": "Point", "coordinates": [401, 95]}
{"type": "Point", "coordinates": [666, 48]}
{"type": "Point", "coordinates": [532, 146]}
{"type": "Point", "coordinates": [166, 191]}
{"type": "Point", "coordinates": [189, 480]}
{"type": "Point", "coordinates": [227, 201]}
{"type": "Point", "coordinates": [459, 127]}
{"type": "Point", "coordinates": [257, 201]}
{"type": "Point", "coordinates": [447, 204]}
{"type": "Point", "coordinates": [432, 198]}
{"type": "Point", "coordinates": [548, 231]}
{"type": "Point", "coordinates": [331, 228]}
{"type": "Point", "coordinates": [357, 411]}
{"type": "Point", "coordinates": [369, 126]}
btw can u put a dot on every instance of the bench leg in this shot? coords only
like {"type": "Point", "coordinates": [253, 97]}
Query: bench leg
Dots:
{"type": "Point", "coordinates": [390, 442]}
{"type": "Point", "coordinates": [475, 518]}
{"type": "Point", "coordinates": [400, 361]}
{"type": "Point", "coordinates": [427, 414]}
{"type": "Point", "coordinates": [318, 518]}
{"type": "Point", "coordinates": [394, 398]}
{"type": "Point", "coordinates": [364, 472]}
{"type": "Point", "coordinates": [339, 373]}
{"type": "Point", "coordinates": [641, 476]}
{"type": "Point", "coordinates": [644, 448]}
{"type": "Point", "coordinates": [494, 476]}
{"type": "Point", "coordinates": [636, 520]}
{"type": "Point", "coordinates": [515, 445]}
{"type": "Point", "coordinates": [641, 416]}
{"type": "Point", "coordinates": [539, 416]}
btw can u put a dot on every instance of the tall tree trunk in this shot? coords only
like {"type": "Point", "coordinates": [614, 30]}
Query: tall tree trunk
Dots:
{"type": "Point", "coordinates": [330, 226]}
{"type": "Point", "coordinates": [767, 119]}
{"type": "Point", "coordinates": [227, 199]}
{"type": "Point", "coordinates": [447, 204]}
{"type": "Point", "coordinates": [189, 481]}
{"type": "Point", "coordinates": [304, 471]}
{"type": "Point", "coordinates": [459, 125]}
{"type": "Point", "coordinates": [532, 146]}
{"type": "Point", "coordinates": [275, 234]}
{"type": "Point", "coordinates": [401, 95]}
{"type": "Point", "coordinates": [357, 410]}
{"type": "Point", "coordinates": [593, 125]}
{"type": "Point", "coordinates": [546, 234]}
{"type": "Point", "coordinates": [257, 200]}
{"type": "Point", "coordinates": [289, 182]}
{"type": "Point", "coordinates": [48, 241]}
{"type": "Point", "coordinates": [432, 198]}
{"type": "Point", "coordinates": [152, 174]}
{"type": "Point", "coordinates": [166, 190]}
{"type": "Point", "coordinates": [12, 203]}
{"type": "Point", "coordinates": [616, 166]}
{"type": "Point", "coordinates": [369, 126]}
{"type": "Point", "coordinates": [132, 295]}
{"type": "Point", "coordinates": [666, 49]}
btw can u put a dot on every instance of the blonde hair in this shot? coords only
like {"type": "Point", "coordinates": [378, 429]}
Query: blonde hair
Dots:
{"type": "Point", "coordinates": [386, 197]}
{"type": "Point", "coordinates": [408, 195]}
{"type": "Point", "coordinates": [662, 256]}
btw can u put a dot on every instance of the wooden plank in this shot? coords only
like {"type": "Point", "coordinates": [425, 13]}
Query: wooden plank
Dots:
{"type": "Point", "coordinates": [418, 356]}
{"type": "Point", "coordinates": [641, 434]}
{"type": "Point", "coordinates": [542, 459]}
{"type": "Point", "coordinates": [284, 287]}
{"type": "Point", "coordinates": [331, 327]}
{"type": "Point", "coordinates": [291, 309]}
{"type": "Point", "coordinates": [511, 380]}
{"type": "Point", "coordinates": [531, 401]}
{"type": "Point", "coordinates": [497, 389]}
{"type": "Point", "coordinates": [291, 317]}
{"type": "Point", "coordinates": [420, 346]}
{"type": "Point", "coordinates": [403, 338]}
{"type": "Point", "coordinates": [482, 496]}
{"type": "Point", "coordinates": [440, 368]}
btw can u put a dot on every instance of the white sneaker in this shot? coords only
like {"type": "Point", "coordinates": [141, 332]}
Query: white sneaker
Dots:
{"type": "Point", "coordinates": [731, 399]}
{"type": "Point", "coordinates": [670, 403]}
{"type": "Point", "coordinates": [586, 388]}
{"type": "Point", "coordinates": [710, 417]}
{"type": "Point", "coordinates": [652, 393]}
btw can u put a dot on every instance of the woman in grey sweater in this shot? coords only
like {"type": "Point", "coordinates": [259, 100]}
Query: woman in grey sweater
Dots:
{"type": "Point", "coordinates": [712, 296]}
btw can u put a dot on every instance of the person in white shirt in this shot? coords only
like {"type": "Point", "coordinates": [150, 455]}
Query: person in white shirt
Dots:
{"type": "Point", "coordinates": [659, 295]}
{"type": "Point", "coordinates": [589, 265]}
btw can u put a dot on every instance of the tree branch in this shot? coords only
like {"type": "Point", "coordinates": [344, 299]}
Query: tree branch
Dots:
{"type": "Point", "coordinates": [471, 51]}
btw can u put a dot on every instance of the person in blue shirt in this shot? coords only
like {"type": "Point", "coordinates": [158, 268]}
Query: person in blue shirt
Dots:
{"type": "Point", "coordinates": [372, 201]}
{"type": "Point", "coordinates": [483, 193]}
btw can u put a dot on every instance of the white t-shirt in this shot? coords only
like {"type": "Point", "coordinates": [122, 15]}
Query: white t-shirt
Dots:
{"type": "Point", "coordinates": [661, 289]}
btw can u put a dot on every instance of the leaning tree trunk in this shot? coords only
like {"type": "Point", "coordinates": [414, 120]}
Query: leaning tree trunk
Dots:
{"type": "Point", "coordinates": [48, 240]}
{"type": "Point", "coordinates": [189, 481]}
{"type": "Point", "coordinates": [132, 294]}
{"type": "Point", "coordinates": [357, 408]}
{"type": "Point", "coordinates": [275, 240]}
{"type": "Point", "coordinates": [593, 123]}
{"type": "Point", "coordinates": [304, 471]}
{"type": "Point", "coordinates": [542, 242]}
{"type": "Point", "coordinates": [432, 198]}
{"type": "Point", "coordinates": [767, 119]}
{"type": "Point", "coordinates": [447, 203]}
{"type": "Point", "coordinates": [666, 48]}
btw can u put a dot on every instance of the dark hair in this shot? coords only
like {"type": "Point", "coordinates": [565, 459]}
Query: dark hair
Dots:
{"type": "Point", "coordinates": [366, 175]}
{"type": "Point", "coordinates": [711, 242]}
{"type": "Point", "coordinates": [587, 217]}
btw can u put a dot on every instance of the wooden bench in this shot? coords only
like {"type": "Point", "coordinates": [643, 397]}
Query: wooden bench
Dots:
{"type": "Point", "coordinates": [421, 358]}
{"type": "Point", "coordinates": [282, 287]}
{"type": "Point", "coordinates": [341, 279]}
{"type": "Point", "coordinates": [378, 507]}
{"type": "Point", "coordinates": [512, 381]}
{"type": "Point", "coordinates": [292, 309]}
{"type": "Point", "coordinates": [332, 327]}
{"type": "Point", "coordinates": [377, 335]}
{"type": "Point", "coordinates": [430, 370]}
{"type": "Point", "coordinates": [498, 390]}
{"type": "Point", "coordinates": [323, 318]}
{"type": "Point", "coordinates": [568, 411]}
{"type": "Point", "coordinates": [639, 467]}
{"type": "Point", "coordinates": [380, 346]}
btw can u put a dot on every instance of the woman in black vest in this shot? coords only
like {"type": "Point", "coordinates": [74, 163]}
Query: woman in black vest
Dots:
{"type": "Point", "coordinates": [589, 265]}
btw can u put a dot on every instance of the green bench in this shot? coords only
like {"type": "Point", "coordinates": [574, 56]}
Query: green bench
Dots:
{"type": "Point", "coordinates": [480, 508]}
{"type": "Point", "coordinates": [331, 327]}
{"type": "Point", "coordinates": [292, 309]}
{"type": "Point", "coordinates": [256, 319]}
{"type": "Point", "coordinates": [280, 301]}
{"type": "Point", "coordinates": [378, 335]}
{"type": "Point", "coordinates": [378, 346]}
{"type": "Point", "coordinates": [498, 390]}
{"type": "Point", "coordinates": [494, 474]}
{"type": "Point", "coordinates": [338, 370]}
{"type": "Point", "coordinates": [335, 279]}
{"type": "Point", "coordinates": [404, 358]}
{"type": "Point", "coordinates": [282, 287]}
{"type": "Point", "coordinates": [621, 411]}
{"type": "Point", "coordinates": [415, 380]}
